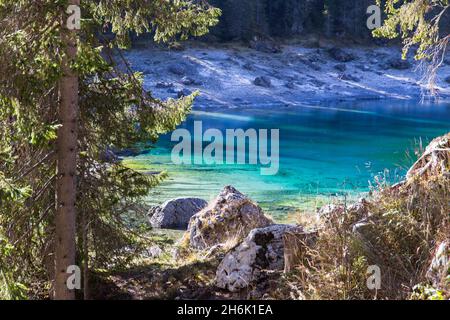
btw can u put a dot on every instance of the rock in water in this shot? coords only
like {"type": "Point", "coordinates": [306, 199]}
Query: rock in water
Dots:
{"type": "Point", "coordinates": [176, 213]}
{"type": "Point", "coordinates": [262, 250]}
{"type": "Point", "coordinates": [230, 217]}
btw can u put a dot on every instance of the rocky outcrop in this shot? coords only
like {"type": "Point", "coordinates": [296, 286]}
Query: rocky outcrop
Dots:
{"type": "Point", "coordinates": [176, 213]}
{"type": "Point", "coordinates": [230, 217]}
{"type": "Point", "coordinates": [261, 251]}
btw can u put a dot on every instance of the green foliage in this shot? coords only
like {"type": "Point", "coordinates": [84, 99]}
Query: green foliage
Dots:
{"type": "Point", "coordinates": [426, 292]}
{"type": "Point", "coordinates": [115, 112]}
{"type": "Point", "coordinates": [411, 21]}
{"type": "Point", "coordinates": [422, 25]}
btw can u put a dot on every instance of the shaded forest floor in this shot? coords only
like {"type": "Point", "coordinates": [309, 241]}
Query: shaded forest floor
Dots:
{"type": "Point", "coordinates": [158, 281]}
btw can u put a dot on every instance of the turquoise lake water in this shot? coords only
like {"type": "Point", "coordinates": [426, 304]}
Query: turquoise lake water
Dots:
{"type": "Point", "coordinates": [328, 150]}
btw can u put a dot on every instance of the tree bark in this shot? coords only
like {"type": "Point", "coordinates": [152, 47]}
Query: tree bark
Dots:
{"type": "Point", "coordinates": [67, 151]}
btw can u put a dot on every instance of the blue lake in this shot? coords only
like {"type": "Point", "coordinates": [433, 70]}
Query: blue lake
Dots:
{"type": "Point", "coordinates": [329, 150]}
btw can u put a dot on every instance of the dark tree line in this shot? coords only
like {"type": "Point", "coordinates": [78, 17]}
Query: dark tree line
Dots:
{"type": "Point", "coordinates": [244, 19]}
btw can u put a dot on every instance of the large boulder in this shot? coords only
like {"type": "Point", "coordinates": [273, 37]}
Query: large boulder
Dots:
{"type": "Point", "coordinates": [230, 217]}
{"type": "Point", "coordinates": [262, 251]}
{"type": "Point", "coordinates": [176, 213]}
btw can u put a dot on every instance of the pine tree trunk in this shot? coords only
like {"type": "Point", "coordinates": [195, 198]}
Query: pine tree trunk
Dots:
{"type": "Point", "coordinates": [67, 164]}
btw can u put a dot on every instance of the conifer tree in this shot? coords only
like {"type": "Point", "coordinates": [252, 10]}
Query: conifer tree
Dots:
{"type": "Point", "coordinates": [423, 25]}
{"type": "Point", "coordinates": [67, 99]}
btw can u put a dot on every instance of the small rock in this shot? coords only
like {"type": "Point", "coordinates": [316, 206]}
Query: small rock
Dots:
{"type": "Point", "coordinates": [184, 93]}
{"type": "Point", "coordinates": [248, 66]}
{"type": "Point", "coordinates": [399, 64]}
{"type": "Point", "coordinates": [364, 67]}
{"type": "Point", "coordinates": [340, 55]}
{"type": "Point", "coordinates": [340, 67]}
{"type": "Point", "coordinates": [265, 46]}
{"type": "Point", "coordinates": [229, 218]}
{"type": "Point", "coordinates": [349, 77]}
{"type": "Point", "coordinates": [155, 252]}
{"type": "Point", "coordinates": [447, 79]}
{"type": "Point", "coordinates": [311, 64]}
{"type": "Point", "coordinates": [187, 81]}
{"type": "Point", "coordinates": [176, 213]}
{"type": "Point", "coordinates": [263, 81]}
{"type": "Point", "coordinates": [190, 81]}
{"type": "Point", "coordinates": [164, 85]}
{"type": "Point", "coordinates": [290, 85]}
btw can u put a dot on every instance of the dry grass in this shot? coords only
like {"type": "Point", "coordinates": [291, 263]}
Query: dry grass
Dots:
{"type": "Point", "coordinates": [404, 225]}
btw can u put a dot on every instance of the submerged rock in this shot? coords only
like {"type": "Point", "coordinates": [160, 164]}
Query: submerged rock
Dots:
{"type": "Point", "coordinates": [262, 251]}
{"type": "Point", "coordinates": [176, 213]}
{"type": "Point", "coordinates": [229, 218]}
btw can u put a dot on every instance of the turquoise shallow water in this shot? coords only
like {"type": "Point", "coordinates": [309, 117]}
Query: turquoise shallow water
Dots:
{"type": "Point", "coordinates": [333, 149]}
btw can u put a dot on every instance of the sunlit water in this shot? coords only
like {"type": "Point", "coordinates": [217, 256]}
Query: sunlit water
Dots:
{"type": "Point", "coordinates": [333, 149]}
